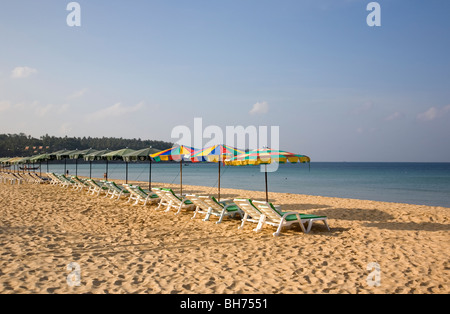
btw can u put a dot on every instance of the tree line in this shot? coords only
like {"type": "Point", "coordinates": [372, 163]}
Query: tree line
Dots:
{"type": "Point", "coordinates": [12, 145]}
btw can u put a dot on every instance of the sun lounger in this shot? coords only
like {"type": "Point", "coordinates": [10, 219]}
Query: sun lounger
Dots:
{"type": "Point", "coordinates": [54, 180]}
{"type": "Point", "coordinates": [140, 195]}
{"type": "Point", "coordinates": [275, 217]}
{"type": "Point", "coordinates": [208, 205]}
{"type": "Point", "coordinates": [79, 184]}
{"type": "Point", "coordinates": [96, 187]}
{"type": "Point", "coordinates": [115, 191]}
{"type": "Point", "coordinates": [251, 213]}
{"type": "Point", "coordinates": [174, 201]}
{"type": "Point", "coordinates": [38, 179]}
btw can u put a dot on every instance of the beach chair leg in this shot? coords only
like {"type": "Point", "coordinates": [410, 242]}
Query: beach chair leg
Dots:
{"type": "Point", "coordinates": [208, 214]}
{"type": "Point", "coordinates": [244, 219]}
{"type": "Point", "coordinates": [261, 221]}
{"type": "Point", "coordinates": [326, 224]}
{"type": "Point", "coordinates": [195, 212]}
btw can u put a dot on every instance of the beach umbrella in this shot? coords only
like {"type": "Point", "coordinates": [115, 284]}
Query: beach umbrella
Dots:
{"type": "Point", "coordinates": [77, 154]}
{"type": "Point", "coordinates": [176, 153]}
{"type": "Point", "coordinates": [117, 155]}
{"type": "Point", "coordinates": [266, 156]}
{"type": "Point", "coordinates": [59, 155]}
{"type": "Point", "coordinates": [40, 158]}
{"type": "Point", "coordinates": [143, 155]}
{"type": "Point", "coordinates": [96, 156]}
{"type": "Point", "coordinates": [218, 154]}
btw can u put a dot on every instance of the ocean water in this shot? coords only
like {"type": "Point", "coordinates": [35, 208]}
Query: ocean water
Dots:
{"type": "Point", "coordinates": [412, 183]}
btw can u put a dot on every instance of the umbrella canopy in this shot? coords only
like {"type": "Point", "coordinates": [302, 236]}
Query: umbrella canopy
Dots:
{"type": "Point", "coordinates": [266, 156]}
{"type": "Point", "coordinates": [216, 153]}
{"type": "Point", "coordinates": [97, 155]}
{"type": "Point", "coordinates": [176, 153]}
{"type": "Point", "coordinates": [81, 153]}
{"type": "Point", "coordinates": [117, 155]}
{"type": "Point", "coordinates": [42, 157]}
{"type": "Point", "coordinates": [142, 155]}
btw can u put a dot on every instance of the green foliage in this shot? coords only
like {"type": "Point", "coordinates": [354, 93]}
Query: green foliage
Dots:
{"type": "Point", "coordinates": [12, 145]}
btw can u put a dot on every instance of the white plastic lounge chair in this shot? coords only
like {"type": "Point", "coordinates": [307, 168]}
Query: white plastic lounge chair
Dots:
{"type": "Point", "coordinates": [208, 205]}
{"type": "Point", "coordinates": [140, 195]}
{"type": "Point", "coordinates": [96, 187]}
{"type": "Point", "coordinates": [115, 191]}
{"type": "Point", "coordinates": [275, 217]}
{"type": "Point", "coordinates": [53, 178]}
{"type": "Point", "coordinates": [79, 184]}
{"type": "Point", "coordinates": [176, 202]}
{"type": "Point", "coordinates": [251, 213]}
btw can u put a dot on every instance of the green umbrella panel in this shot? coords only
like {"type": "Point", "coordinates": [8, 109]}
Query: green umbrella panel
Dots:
{"type": "Point", "coordinates": [143, 155]}
{"type": "Point", "coordinates": [119, 155]}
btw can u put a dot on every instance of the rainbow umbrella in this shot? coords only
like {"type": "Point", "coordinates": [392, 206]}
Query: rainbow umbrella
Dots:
{"type": "Point", "coordinates": [216, 153]}
{"type": "Point", "coordinates": [176, 153]}
{"type": "Point", "coordinates": [266, 156]}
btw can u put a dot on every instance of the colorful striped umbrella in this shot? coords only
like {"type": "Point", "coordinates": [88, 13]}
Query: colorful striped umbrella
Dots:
{"type": "Point", "coordinates": [176, 153]}
{"type": "Point", "coordinates": [266, 156]}
{"type": "Point", "coordinates": [216, 153]}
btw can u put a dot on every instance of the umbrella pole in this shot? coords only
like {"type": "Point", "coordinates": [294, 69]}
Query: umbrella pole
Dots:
{"type": "Point", "coordinates": [126, 177]}
{"type": "Point", "coordinates": [219, 183]}
{"type": "Point", "coordinates": [65, 165]}
{"type": "Point", "coordinates": [106, 177]}
{"type": "Point", "coordinates": [90, 169]}
{"type": "Point", "coordinates": [47, 166]}
{"type": "Point", "coordinates": [150, 175]}
{"type": "Point", "coordinates": [181, 177]}
{"type": "Point", "coordinates": [267, 195]}
{"type": "Point", "coordinates": [76, 167]}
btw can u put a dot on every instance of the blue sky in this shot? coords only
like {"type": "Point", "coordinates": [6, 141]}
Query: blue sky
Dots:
{"type": "Point", "coordinates": [338, 89]}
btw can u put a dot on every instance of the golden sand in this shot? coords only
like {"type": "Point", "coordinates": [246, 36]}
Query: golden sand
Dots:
{"type": "Point", "coordinates": [121, 248]}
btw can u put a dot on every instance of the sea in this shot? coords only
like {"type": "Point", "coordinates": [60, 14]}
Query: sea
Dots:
{"type": "Point", "coordinates": [411, 183]}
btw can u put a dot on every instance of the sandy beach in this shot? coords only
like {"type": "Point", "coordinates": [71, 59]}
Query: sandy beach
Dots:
{"type": "Point", "coordinates": [124, 249]}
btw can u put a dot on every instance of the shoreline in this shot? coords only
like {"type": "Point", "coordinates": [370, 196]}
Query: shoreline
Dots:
{"type": "Point", "coordinates": [131, 249]}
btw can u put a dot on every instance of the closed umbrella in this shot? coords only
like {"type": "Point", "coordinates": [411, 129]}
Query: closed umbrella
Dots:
{"type": "Point", "coordinates": [266, 156]}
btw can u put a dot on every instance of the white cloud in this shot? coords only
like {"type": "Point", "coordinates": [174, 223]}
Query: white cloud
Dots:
{"type": "Point", "coordinates": [115, 110]}
{"type": "Point", "coordinates": [22, 72]}
{"type": "Point", "coordinates": [78, 94]}
{"type": "Point", "coordinates": [363, 108]}
{"type": "Point", "coordinates": [4, 105]}
{"type": "Point", "coordinates": [433, 113]}
{"type": "Point", "coordinates": [428, 115]}
{"type": "Point", "coordinates": [260, 108]}
{"type": "Point", "coordinates": [42, 111]}
{"type": "Point", "coordinates": [395, 116]}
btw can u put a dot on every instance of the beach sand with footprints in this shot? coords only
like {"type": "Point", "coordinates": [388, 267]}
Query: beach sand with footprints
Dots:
{"type": "Point", "coordinates": [120, 248]}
